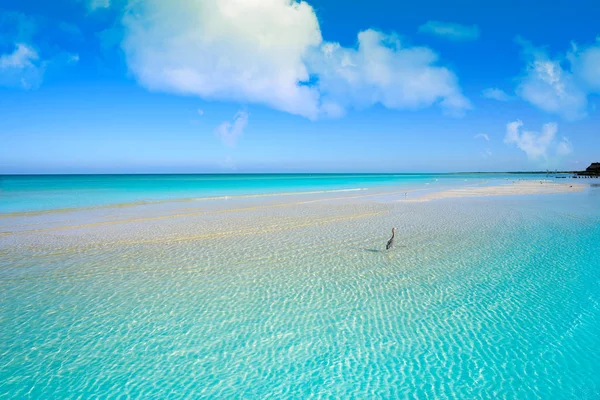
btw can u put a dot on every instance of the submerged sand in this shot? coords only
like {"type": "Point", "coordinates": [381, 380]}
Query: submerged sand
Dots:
{"type": "Point", "coordinates": [241, 216]}
{"type": "Point", "coordinates": [254, 297]}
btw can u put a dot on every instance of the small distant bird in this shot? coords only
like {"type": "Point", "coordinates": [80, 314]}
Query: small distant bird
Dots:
{"type": "Point", "coordinates": [390, 242]}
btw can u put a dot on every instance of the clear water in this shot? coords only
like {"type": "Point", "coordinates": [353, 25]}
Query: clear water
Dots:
{"type": "Point", "coordinates": [22, 193]}
{"type": "Point", "coordinates": [480, 298]}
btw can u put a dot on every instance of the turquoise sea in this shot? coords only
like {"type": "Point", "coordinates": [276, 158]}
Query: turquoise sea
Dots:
{"type": "Point", "coordinates": [294, 296]}
{"type": "Point", "coordinates": [21, 193]}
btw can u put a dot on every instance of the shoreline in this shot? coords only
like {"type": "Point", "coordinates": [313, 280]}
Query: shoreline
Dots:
{"type": "Point", "coordinates": [171, 213]}
{"type": "Point", "coordinates": [477, 189]}
{"type": "Point", "coordinates": [519, 188]}
{"type": "Point", "coordinates": [49, 194]}
{"type": "Point", "coordinates": [173, 200]}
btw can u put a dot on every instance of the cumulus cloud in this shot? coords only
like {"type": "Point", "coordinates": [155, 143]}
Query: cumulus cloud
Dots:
{"type": "Point", "coordinates": [271, 52]}
{"type": "Point", "coordinates": [382, 70]}
{"type": "Point", "coordinates": [536, 144]}
{"type": "Point", "coordinates": [450, 30]}
{"type": "Point", "coordinates": [495, 94]}
{"type": "Point", "coordinates": [246, 51]}
{"type": "Point", "coordinates": [560, 85]}
{"type": "Point", "coordinates": [21, 68]}
{"type": "Point", "coordinates": [482, 136]}
{"type": "Point", "coordinates": [230, 131]}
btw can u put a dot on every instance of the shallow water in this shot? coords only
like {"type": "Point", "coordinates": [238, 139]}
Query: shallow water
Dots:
{"type": "Point", "coordinates": [23, 193]}
{"type": "Point", "coordinates": [480, 298]}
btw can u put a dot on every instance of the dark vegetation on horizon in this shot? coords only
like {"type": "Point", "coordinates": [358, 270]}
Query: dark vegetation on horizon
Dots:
{"type": "Point", "coordinates": [592, 170]}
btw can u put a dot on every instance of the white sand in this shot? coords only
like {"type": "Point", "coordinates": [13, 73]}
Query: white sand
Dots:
{"type": "Point", "coordinates": [512, 189]}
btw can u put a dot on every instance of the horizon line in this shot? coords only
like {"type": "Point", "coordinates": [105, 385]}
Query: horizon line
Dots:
{"type": "Point", "coordinates": [289, 173]}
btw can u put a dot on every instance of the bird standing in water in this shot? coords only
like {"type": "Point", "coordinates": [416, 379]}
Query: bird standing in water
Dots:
{"type": "Point", "coordinates": [390, 242]}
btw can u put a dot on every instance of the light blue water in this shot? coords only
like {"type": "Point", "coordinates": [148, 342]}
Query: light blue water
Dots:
{"type": "Point", "coordinates": [480, 298]}
{"type": "Point", "coordinates": [22, 193]}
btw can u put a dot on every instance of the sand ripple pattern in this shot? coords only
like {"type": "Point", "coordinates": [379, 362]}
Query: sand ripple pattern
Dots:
{"type": "Point", "coordinates": [479, 299]}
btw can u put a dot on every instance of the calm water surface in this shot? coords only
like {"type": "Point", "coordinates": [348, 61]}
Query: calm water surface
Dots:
{"type": "Point", "coordinates": [22, 193]}
{"type": "Point", "coordinates": [481, 298]}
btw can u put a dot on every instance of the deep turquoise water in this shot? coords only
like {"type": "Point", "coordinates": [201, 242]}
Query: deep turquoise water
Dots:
{"type": "Point", "coordinates": [481, 298]}
{"type": "Point", "coordinates": [19, 193]}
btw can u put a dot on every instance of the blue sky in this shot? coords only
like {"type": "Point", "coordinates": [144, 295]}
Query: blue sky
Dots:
{"type": "Point", "coordinates": [284, 86]}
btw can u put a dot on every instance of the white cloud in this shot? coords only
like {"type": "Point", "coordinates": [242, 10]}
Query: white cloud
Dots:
{"type": "Point", "coordinates": [23, 56]}
{"type": "Point", "coordinates": [73, 58]}
{"type": "Point", "coordinates": [495, 94]}
{"type": "Point", "coordinates": [21, 68]}
{"type": "Point", "coordinates": [230, 131]}
{"type": "Point", "coordinates": [584, 64]}
{"type": "Point", "coordinates": [550, 87]}
{"type": "Point", "coordinates": [271, 52]}
{"type": "Point", "coordinates": [381, 70]}
{"type": "Point", "coordinates": [536, 145]}
{"type": "Point", "coordinates": [564, 148]}
{"type": "Point", "coordinates": [246, 51]}
{"type": "Point", "coordinates": [200, 112]}
{"type": "Point", "coordinates": [553, 90]}
{"type": "Point", "coordinates": [483, 136]}
{"type": "Point", "coordinates": [97, 4]}
{"type": "Point", "coordinates": [450, 30]}
{"type": "Point", "coordinates": [29, 52]}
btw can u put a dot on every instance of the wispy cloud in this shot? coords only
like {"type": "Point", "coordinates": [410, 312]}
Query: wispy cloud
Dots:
{"type": "Point", "coordinates": [584, 63]}
{"type": "Point", "coordinates": [537, 144]}
{"type": "Point", "coordinates": [250, 52]}
{"type": "Point", "coordinates": [495, 94]}
{"type": "Point", "coordinates": [450, 30]}
{"type": "Point", "coordinates": [71, 29]}
{"type": "Point", "coordinates": [21, 68]}
{"type": "Point", "coordinates": [228, 163]}
{"type": "Point", "coordinates": [98, 4]}
{"type": "Point", "coordinates": [482, 136]}
{"type": "Point", "coordinates": [200, 111]}
{"type": "Point", "coordinates": [564, 148]}
{"type": "Point", "coordinates": [22, 57]}
{"type": "Point", "coordinates": [28, 54]}
{"type": "Point", "coordinates": [16, 27]}
{"type": "Point", "coordinates": [229, 132]}
{"type": "Point", "coordinates": [562, 84]}
{"type": "Point", "coordinates": [72, 58]}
